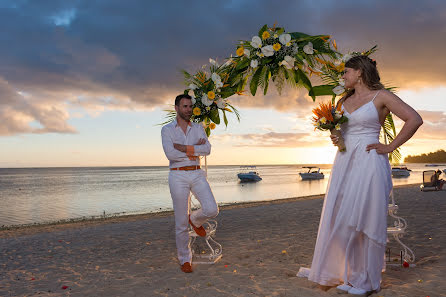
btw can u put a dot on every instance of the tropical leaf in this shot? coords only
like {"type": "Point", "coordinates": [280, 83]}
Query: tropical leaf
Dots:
{"type": "Point", "coordinates": [322, 90]}
{"type": "Point", "coordinates": [266, 80]}
{"type": "Point", "coordinates": [225, 119]}
{"type": "Point", "coordinates": [298, 35]}
{"type": "Point", "coordinates": [242, 65]}
{"type": "Point", "coordinates": [389, 133]}
{"type": "Point", "coordinates": [279, 80]}
{"type": "Point", "coordinates": [279, 31]}
{"type": "Point", "coordinates": [237, 114]}
{"type": "Point", "coordinates": [302, 79]}
{"type": "Point", "coordinates": [263, 29]}
{"type": "Point", "coordinates": [214, 116]}
{"type": "Point", "coordinates": [170, 117]}
{"type": "Point", "coordinates": [253, 85]}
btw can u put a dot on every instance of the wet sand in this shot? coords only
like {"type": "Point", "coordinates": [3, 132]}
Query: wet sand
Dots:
{"type": "Point", "coordinates": [264, 245]}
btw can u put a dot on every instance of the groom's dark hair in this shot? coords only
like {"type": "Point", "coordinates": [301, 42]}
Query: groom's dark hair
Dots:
{"type": "Point", "coordinates": [181, 96]}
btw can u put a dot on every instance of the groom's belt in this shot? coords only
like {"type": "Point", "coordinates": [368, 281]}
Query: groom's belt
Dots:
{"type": "Point", "coordinates": [187, 168]}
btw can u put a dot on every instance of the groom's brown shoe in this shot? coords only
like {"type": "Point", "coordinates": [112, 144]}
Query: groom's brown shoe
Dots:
{"type": "Point", "coordinates": [199, 230]}
{"type": "Point", "coordinates": [186, 267]}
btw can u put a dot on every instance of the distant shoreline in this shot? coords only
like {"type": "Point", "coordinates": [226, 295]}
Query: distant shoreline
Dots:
{"type": "Point", "coordinates": [158, 166]}
{"type": "Point", "coordinates": [212, 165]}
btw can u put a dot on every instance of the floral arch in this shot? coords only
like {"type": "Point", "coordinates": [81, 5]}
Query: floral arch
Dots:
{"type": "Point", "coordinates": [272, 56]}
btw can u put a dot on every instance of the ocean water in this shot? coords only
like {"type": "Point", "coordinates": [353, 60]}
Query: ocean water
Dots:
{"type": "Point", "coordinates": [40, 195]}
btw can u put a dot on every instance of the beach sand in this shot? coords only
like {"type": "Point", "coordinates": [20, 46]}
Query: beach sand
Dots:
{"type": "Point", "coordinates": [264, 245]}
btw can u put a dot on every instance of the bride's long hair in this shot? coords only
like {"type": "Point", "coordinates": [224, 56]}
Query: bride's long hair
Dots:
{"type": "Point", "coordinates": [369, 73]}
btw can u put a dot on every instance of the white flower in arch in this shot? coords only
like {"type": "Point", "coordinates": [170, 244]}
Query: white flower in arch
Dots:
{"type": "Point", "coordinates": [213, 62]}
{"type": "Point", "coordinates": [308, 49]}
{"type": "Point", "coordinates": [256, 42]}
{"type": "Point", "coordinates": [221, 103]}
{"type": "Point", "coordinates": [205, 100]}
{"type": "Point", "coordinates": [285, 39]}
{"type": "Point", "coordinates": [215, 77]}
{"type": "Point", "coordinates": [288, 62]}
{"type": "Point", "coordinates": [268, 50]}
{"type": "Point", "coordinates": [254, 63]}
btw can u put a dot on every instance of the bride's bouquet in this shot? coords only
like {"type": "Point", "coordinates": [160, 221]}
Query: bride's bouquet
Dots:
{"type": "Point", "coordinates": [327, 117]}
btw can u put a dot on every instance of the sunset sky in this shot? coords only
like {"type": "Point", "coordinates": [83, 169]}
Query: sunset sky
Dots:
{"type": "Point", "coordinates": [85, 83]}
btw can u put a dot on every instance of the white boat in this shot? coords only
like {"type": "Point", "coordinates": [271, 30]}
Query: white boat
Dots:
{"type": "Point", "coordinates": [311, 175]}
{"type": "Point", "coordinates": [249, 174]}
{"type": "Point", "coordinates": [400, 172]}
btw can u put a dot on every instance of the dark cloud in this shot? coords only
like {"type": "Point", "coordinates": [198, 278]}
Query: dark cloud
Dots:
{"type": "Point", "coordinates": [18, 111]}
{"type": "Point", "coordinates": [64, 53]}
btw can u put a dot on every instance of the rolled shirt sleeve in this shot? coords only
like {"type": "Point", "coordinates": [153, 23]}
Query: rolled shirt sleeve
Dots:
{"type": "Point", "coordinates": [202, 149]}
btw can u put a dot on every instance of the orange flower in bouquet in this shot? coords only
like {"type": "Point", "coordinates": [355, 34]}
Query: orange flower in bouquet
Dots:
{"type": "Point", "coordinates": [327, 117]}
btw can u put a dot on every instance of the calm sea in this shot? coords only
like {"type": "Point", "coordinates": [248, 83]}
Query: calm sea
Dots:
{"type": "Point", "coordinates": [39, 195]}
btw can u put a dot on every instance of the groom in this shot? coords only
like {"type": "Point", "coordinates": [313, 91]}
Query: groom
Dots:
{"type": "Point", "coordinates": [183, 143]}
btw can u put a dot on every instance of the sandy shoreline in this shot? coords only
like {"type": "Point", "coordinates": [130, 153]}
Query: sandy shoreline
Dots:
{"type": "Point", "coordinates": [264, 244]}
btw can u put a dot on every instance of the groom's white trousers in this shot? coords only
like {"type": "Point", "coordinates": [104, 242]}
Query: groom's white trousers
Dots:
{"type": "Point", "coordinates": [181, 183]}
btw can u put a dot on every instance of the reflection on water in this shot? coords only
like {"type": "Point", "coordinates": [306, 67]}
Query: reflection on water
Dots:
{"type": "Point", "coordinates": [35, 195]}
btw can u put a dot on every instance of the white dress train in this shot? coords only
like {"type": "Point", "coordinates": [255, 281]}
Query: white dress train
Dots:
{"type": "Point", "coordinates": [351, 239]}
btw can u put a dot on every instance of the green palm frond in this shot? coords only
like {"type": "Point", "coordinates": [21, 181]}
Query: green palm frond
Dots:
{"type": "Point", "coordinates": [170, 117]}
{"type": "Point", "coordinates": [255, 80]}
{"type": "Point", "coordinates": [389, 133]}
{"type": "Point", "coordinates": [237, 114]}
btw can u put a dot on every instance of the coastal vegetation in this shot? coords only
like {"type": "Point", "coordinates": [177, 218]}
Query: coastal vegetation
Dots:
{"type": "Point", "coordinates": [434, 157]}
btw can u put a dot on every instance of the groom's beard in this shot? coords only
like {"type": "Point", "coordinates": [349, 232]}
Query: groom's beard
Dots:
{"type": "Point", "coordinates": [185, 116]}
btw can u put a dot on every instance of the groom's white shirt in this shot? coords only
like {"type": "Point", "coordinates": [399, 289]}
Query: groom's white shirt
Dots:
{"type": "Point", "coordinates": [172, 133]}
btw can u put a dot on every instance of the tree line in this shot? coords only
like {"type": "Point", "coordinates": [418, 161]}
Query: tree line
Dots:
{"type": "Point", "coordinates": [434, 157]}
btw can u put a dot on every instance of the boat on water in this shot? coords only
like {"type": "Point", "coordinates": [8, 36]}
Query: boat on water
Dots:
{"type": "Point", "coordinates": [400, 171]}
{"type": "Point", "coordinates": [311, 174]}
{"type": "Point", "coordinates": [249, 174]}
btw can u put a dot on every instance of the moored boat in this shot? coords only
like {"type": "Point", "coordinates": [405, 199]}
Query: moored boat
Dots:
{"type": "Point", "coordinates": [311, 175]}
{"type": "Point", "coordinates": [249, 174]}
{"type": "Point", "coordinates": [400, 171]}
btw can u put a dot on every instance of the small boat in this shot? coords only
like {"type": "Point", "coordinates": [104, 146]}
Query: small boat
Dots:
{"type": "Point", "coordinates": [311, 175]}
{"type": "Point", "coordinates": [249, 174]}
{"type": "Point", "coordinates": [400, 171]}
{"type": "Point", "coordinates": [432, 165]}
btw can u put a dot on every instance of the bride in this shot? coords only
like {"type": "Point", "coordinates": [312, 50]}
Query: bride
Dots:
{"type": "Point", "coordinates": [351, 239]}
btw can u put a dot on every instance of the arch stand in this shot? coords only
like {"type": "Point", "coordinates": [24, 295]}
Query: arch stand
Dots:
{"type": "Point", "coordinates": [205, 250]}
{"type": "Point", "coordinates": [397, 232]}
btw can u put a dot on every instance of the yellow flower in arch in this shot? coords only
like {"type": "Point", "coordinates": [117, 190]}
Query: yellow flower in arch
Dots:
{"type": "Point", "coordinates": [211, 95]}
{"type": "Point", "coordinates": [265, 35]}
{"type": "Point", "coordinates": [212, 126]}
{"type": "Point", "coordinates": [240, 51]}
{"type": "Point", "coordinates": [277, 46]}
{"type": "Point", "coordinates": [197, 111]}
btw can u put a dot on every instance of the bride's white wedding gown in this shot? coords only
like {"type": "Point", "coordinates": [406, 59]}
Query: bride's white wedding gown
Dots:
{"type": "Point", "coordinates": [351, 239]}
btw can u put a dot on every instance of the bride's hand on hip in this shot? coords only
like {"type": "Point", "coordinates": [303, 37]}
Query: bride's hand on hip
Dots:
{"type": "Point", "coordinates": [379, 147]}
{"type": "Point", "coordinates": [334, 139]}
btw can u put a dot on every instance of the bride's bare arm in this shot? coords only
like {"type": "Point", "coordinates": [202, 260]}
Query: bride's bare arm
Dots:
{"type": "Point", "coordinates": [412, 121]}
